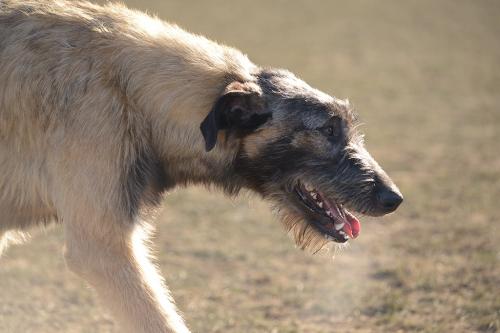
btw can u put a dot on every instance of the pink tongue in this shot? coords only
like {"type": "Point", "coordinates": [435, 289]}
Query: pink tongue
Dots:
{"type": "Point", "coordinates": [348, 230]}
{"type": "Point", "coordinates": [353, 227]}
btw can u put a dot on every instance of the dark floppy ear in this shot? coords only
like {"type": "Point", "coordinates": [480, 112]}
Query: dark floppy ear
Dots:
{"type": "Point", "coordinates": [239, 107]}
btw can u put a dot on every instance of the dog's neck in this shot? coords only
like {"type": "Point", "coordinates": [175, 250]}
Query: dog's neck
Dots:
{"type": "Point", "coordinates": [174, 94]}
{"type": "Point", "coordinates": [172, 120]}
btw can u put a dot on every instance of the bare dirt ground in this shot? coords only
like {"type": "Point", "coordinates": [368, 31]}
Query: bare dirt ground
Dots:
{"type": "Point", "coordinates": [425, 79]}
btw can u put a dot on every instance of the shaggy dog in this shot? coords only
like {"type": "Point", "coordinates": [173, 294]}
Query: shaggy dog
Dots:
{"type": "Point", "coordinates": [102, 109]}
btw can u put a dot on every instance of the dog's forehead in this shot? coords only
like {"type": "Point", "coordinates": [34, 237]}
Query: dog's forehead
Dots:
{"type": "Point", "coordinates": [315, 112]}
{"type": "Point", "coordinates": [297, 99]}
{"type": "Point", "coordinates": [286, 85]}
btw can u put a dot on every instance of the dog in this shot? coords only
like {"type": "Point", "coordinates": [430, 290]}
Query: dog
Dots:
{"type": "Point", "coordinates": [103, 109]}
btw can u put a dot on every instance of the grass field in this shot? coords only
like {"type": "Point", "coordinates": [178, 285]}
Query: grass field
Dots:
{"type": "Point", "coordinates": [424, 77]}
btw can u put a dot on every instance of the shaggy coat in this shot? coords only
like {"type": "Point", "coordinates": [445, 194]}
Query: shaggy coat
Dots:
{"type": "Point", "coordinates": [104, 108]}
{"type": "Point", "coordinates": [95, 102]}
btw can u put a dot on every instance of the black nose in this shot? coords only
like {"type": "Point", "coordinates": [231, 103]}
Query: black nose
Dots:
{"type": "Point", "coordinates": [389, 200]}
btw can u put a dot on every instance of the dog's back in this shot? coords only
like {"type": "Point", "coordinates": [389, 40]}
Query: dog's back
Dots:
{"type": "Point", "coordinates": [93, 102]}
{"type": "Point", "coordinates": [75, 82]}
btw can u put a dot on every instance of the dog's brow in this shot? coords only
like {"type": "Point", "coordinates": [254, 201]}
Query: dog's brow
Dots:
{"type": "Point", "coordinates": [314, 121]}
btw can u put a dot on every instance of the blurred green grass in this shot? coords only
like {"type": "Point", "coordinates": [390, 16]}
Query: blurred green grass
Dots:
{"type": "Point", "coordinates": [424, 77]}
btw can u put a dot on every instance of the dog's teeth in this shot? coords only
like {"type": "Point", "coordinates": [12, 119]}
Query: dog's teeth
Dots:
{"type": "Point", "coordinates": [314, 195]}
{"type": "Point", "coordinates": [320, 204]}
{"type": "Point", "coordinates": [339, 226]}
{"type": "Point", "coordinates": [309, 188]}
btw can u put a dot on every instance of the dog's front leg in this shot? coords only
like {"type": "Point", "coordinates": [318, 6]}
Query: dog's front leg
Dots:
{"type": "Point", "coordinates": [114, 260]}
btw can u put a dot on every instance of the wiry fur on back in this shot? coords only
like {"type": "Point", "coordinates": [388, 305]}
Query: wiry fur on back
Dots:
{"type": "Point", "coordinates": [101, 85]}
{"type": "Point", "coordinates": [99, 112]}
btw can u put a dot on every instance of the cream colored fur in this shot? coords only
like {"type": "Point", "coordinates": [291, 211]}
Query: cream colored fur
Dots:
{"type": "Point", "coordinates": [84, 89]}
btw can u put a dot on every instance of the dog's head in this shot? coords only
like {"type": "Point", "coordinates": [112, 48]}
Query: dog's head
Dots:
{"type": "Point", "coordinates": [301, 149]}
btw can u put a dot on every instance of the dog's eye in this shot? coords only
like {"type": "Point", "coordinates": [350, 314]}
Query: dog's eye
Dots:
{"type": "Point", "coordinates": [333, 129]}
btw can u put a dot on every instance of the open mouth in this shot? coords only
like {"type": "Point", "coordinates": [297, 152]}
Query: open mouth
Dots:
{"type": "Point", "coordinates": [330, 217]}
